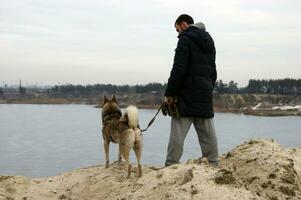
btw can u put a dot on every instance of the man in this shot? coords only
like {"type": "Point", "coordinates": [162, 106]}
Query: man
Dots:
{"type": "Point", "coordinates": [191, 81]}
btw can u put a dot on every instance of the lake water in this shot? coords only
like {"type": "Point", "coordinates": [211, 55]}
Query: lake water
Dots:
{"type": "Point", "coordinates": [46, 140]}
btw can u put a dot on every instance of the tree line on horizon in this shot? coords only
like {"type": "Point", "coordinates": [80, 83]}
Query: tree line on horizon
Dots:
{"type": "Point", "coordinates": [286, 86]}
{"type": "Point", "coordinates": [261, 86]}
{"type": "Point", "coordinates": [87, 90]}
{"type": "Point", "coordinates": [272, 86]}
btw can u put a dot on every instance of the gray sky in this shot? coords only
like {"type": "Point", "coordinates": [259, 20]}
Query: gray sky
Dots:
{"type": "Point", "coordinates": [129, 42]}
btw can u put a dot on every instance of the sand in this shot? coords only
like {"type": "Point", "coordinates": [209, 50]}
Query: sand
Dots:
{"type": "Point", "coordinates": [257, 169]}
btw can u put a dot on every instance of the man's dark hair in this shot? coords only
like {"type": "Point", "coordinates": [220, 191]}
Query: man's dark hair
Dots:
{"type": "Point", "coordinates": [184, 18]}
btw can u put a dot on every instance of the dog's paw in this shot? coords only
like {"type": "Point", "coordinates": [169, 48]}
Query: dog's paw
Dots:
{"type": "Point", "coordinates": [107, 165]}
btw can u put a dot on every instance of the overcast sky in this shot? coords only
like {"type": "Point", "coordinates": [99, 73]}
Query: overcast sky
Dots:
{"type": "Point", "coordinates": [132, 42]}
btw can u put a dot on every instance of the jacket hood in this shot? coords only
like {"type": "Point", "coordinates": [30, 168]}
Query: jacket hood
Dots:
{"type": "Point", "coordinates": [197, 33]}
{"type": "Point", "coordinates": [199, 25]}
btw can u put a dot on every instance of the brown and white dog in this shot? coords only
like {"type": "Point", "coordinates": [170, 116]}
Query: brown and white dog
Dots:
{"type": "Point", "coordinates": [122, 129]}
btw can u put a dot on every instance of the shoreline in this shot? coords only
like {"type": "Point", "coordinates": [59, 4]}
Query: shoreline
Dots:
{"type": "Point", "coordinates": [217, 109]}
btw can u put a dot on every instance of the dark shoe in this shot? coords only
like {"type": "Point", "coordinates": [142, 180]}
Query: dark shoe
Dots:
{"type": "Point", "coordinates": [213, 163]}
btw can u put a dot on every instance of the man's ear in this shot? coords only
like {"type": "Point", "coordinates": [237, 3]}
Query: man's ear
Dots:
{"type": "Point", "coordinates": [114, 98]}
{"type": "Point", "coordinates": [105, 100]}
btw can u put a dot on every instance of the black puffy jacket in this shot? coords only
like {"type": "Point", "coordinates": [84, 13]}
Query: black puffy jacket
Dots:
{"type": "Point", "coordinates": [193, 75]}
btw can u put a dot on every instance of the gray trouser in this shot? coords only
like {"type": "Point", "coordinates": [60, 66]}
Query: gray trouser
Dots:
{"type": "Point", "coordinates": [206, 135]}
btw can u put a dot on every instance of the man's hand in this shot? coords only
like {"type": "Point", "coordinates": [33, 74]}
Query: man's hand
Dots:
{"type": "Point", "coordinates": [167, 100]}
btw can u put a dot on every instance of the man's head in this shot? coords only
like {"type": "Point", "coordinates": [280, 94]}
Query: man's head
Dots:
{"type": "Point", "coordinates": [182, 22]}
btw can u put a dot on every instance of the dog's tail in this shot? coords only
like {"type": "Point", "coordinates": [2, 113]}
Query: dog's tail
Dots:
{"type": "Point", "coordinates": [132, 113]}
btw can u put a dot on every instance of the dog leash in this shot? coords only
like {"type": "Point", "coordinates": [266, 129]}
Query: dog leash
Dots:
{"type": "Point", "coordinates": [153, 119]}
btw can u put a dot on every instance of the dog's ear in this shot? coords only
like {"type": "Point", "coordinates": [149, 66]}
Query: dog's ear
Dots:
{"type": "Point", "coordinates": [114, 98]}
{"type": "Point", "coordinates": [105, 100]}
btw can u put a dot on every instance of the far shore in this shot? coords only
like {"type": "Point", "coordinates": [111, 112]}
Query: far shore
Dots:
{"type": "Point", "coordinates": [267, 112]}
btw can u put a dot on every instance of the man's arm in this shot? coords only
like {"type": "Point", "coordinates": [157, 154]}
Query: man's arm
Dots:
{"type": "Point", "coordinates": [211, 59]}
{"type": "Point", "coordinates": [181, 61]}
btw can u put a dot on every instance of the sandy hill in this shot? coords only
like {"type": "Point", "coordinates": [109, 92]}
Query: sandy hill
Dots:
{"type": "Point", "coordinates": [257, 169]}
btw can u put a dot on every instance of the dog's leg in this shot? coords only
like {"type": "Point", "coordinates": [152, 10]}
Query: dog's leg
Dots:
{"type": "Point", "coordinates": [126, 155]}
{"type": "Point", "coordinates": [138, 150]}
{"type": "Point", "coordinates": [119, 154]}
{"type": "Point", "coordinates": [138, 145]}
{"type": "Point", "coordinates": [107, 146]}
{"type": "Point", "coordinates": [129, 169]}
